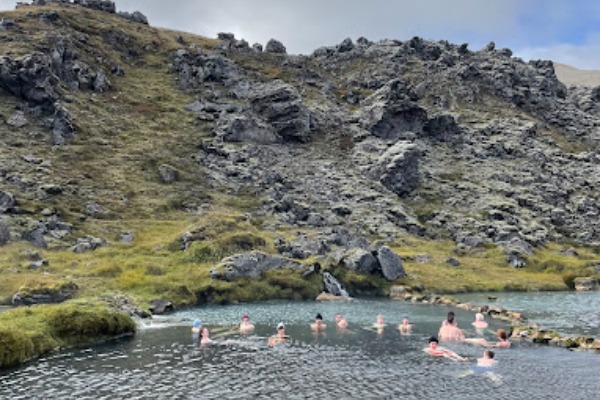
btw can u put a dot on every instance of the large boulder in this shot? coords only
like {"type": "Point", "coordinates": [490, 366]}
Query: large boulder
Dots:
{"type": "Point", "coordinates": [392, 112]}
{"type": "Point", "coordinates": [195, 68]}
{"type": "Point", "coordinates": [398, 168]}
{"type": "Point", "coordinates": [360, 260]}
{"type": "Point", "coordinates": [244, 128]}
{"type": "Point", "coordinates": [280, 105]}
{"type": "Point", "coordinates": [275, 46]}
{"type": "Point", "coordinates": [391, 264]}
{"type": "Point", "coordinates": [160, 306]}
{"type": "Point", "coordinates": [250, 265]}
{"type": "Point", "coordinates": [7, 202]}
{"type": "Point", "coordinates": [4, 234]}
{"type": "Point", "coordinates": [44, 294]}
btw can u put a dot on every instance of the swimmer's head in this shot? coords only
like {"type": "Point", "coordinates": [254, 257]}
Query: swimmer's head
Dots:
{"type": "Point", "coordinates": [280, 326]}
{"type": "Point", "coordinates": [450, 317]}
{"type": "Point", "coordinates": [502, 334]}
{"type": "Point", "coordinates": [489, 353]}
{"type": "Point", "coordinates": [319, 317]}
{"type": "Point", "coordinates": [245, 316]}
{"type": "Point", "coordinates": [479, 316]}
{"type": "Point", "coordinates": [197, 323]}
{"type": "Point", "coordinates": [433, 339]}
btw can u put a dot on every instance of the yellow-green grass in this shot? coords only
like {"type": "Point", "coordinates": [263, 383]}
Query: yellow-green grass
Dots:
{"type": "Point", "coordinates": [28, 332]}
{"type": "Point", "coordinates": [487, 269]}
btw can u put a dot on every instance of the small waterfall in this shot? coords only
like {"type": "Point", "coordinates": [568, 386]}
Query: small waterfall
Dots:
{"type": "Point", "coordinates": [333, 286]}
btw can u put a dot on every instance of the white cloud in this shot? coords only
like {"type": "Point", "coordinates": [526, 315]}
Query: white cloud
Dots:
{"type": "Point", "coordinates": [582, 56]}
{"type": "Point", "coordinates": [304, 25]}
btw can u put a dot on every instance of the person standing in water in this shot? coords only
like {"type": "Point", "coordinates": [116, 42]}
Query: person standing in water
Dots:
{"type": "Point", "coordinates": [205, 337]}
{"type": "Point", "coordinates": [405, 327]}
{"type": "Point", "coordinates": [278, 338]}
{"type": "Point", "coordinates": [246, 326]}
{"type": "Point", "coordinates": [449, 331]}
{"type": "Point", "coordinates": [196, 329]}
{"type": "Point", "coordinates": [318, 325]}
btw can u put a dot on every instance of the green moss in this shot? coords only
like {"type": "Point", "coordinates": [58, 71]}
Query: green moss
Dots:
{"type": "Point", "coordinates": [32, 331]}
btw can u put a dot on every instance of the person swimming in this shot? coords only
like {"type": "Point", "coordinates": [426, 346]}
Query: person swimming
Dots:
{"type": "Point", "coordinates": [379, 322]}
{"type": "Point", "coordinates": [246, 326]}
{"type": "Point", "coordinates": [405, 327]}
{"type": "Point", "coordinates": [479, 323]}
{"type": "Point", "coordinates": [437, 351]}
{"type": "Point", "coordinates": [278, 338]}
{"type": "Point", "coordinates": [503, 342]}
{"type": "Point", "coordinates": [340, 322]}
{"type": "Point", "coordinates": [318, 325]}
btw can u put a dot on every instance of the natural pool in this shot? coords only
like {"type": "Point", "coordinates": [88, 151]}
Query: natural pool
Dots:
{"type": "Point", "coordinates": [571, 313]}
{"type": "Point", "coordinates": [161, 362]}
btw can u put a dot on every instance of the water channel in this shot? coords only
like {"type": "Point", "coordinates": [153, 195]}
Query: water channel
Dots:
{"type": "Point", "coordinates": [161, 362]}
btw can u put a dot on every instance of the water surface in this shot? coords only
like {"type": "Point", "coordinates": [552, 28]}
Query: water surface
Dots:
{"type": "Point", "coordinates": [162, 363]}
{"type": "Point", "coordinates": [571, 313]}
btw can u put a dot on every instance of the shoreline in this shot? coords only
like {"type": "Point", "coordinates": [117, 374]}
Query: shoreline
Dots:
{"type": "Point", "coordinates": [520, 327]}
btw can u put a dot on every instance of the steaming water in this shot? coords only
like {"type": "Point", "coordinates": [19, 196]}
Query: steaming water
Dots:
{"type": "Point", "coordinates": [162, 363]}
{"type": "Point", "coordinates": [572, 313]}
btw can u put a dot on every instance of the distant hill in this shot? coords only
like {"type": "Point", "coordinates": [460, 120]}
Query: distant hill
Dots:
{"type": "Point", "coordinates": [573, 76]}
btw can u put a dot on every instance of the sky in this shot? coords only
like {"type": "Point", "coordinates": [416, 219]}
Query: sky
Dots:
{"type": "Point", "coordinates": [565, 31]}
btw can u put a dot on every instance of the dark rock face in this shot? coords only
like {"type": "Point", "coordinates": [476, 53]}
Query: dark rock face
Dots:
{"type": "Point", "coordinates": [45, 295]}
{"type": "Point", "coordinates": [160, 306]}
{"type": "Point", "coordinates": [40, 79]}
{"type": "Point", "coordinates": [250, 265]}
{"type": "Point", "coordinates": [362, 261]}
{"type": "Point", "coordinates": [393, 111]}
{"type": "Point", "coordinates": [274, 46]}
{"type": "Point", "coordinates": [135, 16]}
{"type": "Point", "coordinates": [194, 68]}
{"type": "Point", "coordinates": [101, 5]}
{"type": "Point", "coordinates": [391, 264]}
{"type": "Point", "coordinates": [7, 202]}
{"type": "Point", "coordinates": [398, 168]}
{"type": "Point", "coordinates": [281, 107]}
{"type": "Point", "coordinates": [4, 234]}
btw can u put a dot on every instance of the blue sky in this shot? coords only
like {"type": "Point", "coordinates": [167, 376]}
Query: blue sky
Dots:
{"type": "Point", "coordinates": [560, 30]}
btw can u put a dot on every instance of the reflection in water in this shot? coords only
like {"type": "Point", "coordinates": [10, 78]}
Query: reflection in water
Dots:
{"type": "Point", "coordinates": [351, 363]}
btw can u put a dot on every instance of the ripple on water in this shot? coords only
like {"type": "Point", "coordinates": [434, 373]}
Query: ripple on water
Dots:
{"type": "Point", "coordinates": [162, 364]}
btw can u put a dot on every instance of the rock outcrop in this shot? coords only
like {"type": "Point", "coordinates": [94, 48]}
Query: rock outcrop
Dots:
{"type": "Point", "coordinates": [251, 265]}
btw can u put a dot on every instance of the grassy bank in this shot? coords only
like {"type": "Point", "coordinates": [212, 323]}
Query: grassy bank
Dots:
{"type": "Point", "coordinates": [29, 332]}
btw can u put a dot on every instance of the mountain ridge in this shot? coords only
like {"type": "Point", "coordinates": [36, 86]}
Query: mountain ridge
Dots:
{"type": "Point", "coordinates": [115, 126]}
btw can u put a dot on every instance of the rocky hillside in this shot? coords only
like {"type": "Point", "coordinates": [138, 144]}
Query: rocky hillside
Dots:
{"type": "Point", "coordinates": [105, 118]}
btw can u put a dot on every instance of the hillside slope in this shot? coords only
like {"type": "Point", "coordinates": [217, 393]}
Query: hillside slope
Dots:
{"type": "Point", "coordinates": [125, 132]}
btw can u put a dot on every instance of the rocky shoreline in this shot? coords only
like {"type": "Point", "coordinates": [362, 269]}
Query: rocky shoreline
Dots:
{"type": "Point", "coordinates": [521, 329]}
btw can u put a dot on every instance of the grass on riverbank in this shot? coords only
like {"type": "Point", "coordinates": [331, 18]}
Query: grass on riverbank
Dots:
{"type": "Point", "coordinates": [28, 332]}
{"type": "Point", "coordinates": [487, 270]}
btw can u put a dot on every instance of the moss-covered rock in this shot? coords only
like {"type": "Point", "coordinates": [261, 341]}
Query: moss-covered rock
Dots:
{"type": "Point", "coordinates": [28, 332]}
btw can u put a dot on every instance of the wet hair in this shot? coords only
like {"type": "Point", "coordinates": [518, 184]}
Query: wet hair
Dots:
{"type": "Point", "coordinates": [319, 316]}
{"type": "Point", "coordinates": [450, 318]}
{"type": "Point", "coordinates": [489, 353]}
{"type": "Point", "coordinates": [502, 334]}
{"type": "Point", "coordinates": [433, 339]}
